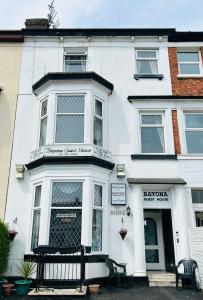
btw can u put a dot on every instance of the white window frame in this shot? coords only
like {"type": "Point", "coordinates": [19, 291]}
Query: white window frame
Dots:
{"type": "Point", "coordinates": [191, 129]}
{"type": "Point", "coordinates": [76, 207]}
{"type": "Point", "coordinates": [101, 208]}
{"type": "Point", "coordinates": [84, 134]}
{"type": "Point", "coordinates": [41, 118]}
{"type": "Point", "coordinates": [35, 208]}
{"type": "Point", "coordinates": [197, 207]}
{"type": "Point", "coordinates": [194, 62]}
{"type": "Point", "coordinates": [75, 52]}
{"type": "Point", "coordinates": [100, 118]}
{"type": "Point", "coordinates": [155, 59]}
{"type": "Point", "coordinates": [146, 113]}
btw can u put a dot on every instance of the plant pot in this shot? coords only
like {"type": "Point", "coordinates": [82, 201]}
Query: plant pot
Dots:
{"type": "Point", "coordinates": [94, 288]}
{"type": "Point", "coordinates": [12, 235]}
{"type": "Point", "coordinates": [23, 287]}
{"type": "Point", "coordinates": [8, 287]}
{"type": "Point", "coordinates": [2, 282]}
{"type": "Point", "coordinates": [123, 234]}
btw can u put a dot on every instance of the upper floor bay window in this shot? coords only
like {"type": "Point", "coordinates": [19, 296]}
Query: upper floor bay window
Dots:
{"type": "Point", "coordinates": [152, 133]}
{"type": "Point", "coordinates": [98, 123]}
{"type": "Point", "coordinates": [43, 123]}
{"type": "Point", "coordinates": [147, 62]}
{"type": "Point", "coordinates": [194, 132]}
{"type": "Point", "coordinates": [70, 119]}
{"type": "Point", "coordinates": [75, 60]}
{"type": "Point", "coordinates": [197, 200]}
{"type": "Point", "coordinates": [189, 62]}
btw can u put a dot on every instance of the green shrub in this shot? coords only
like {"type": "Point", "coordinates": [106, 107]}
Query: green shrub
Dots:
{"type": "Point", "coordinates": [4, 247]}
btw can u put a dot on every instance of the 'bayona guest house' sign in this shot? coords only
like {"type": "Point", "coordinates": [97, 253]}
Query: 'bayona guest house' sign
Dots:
{"type": "Point", "coordinates": [156, 198]}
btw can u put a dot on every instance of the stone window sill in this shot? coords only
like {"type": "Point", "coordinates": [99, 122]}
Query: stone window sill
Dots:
{"type": "Point", "coordinates": [183, 76]}
{"type": "Point", "coordinates": [148, 76]}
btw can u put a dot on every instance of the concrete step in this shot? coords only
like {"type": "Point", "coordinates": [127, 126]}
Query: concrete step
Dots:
{"type": "Point", "coordinates": [161, 279]}
{"type": "Point", "coordinates": [59, 292]}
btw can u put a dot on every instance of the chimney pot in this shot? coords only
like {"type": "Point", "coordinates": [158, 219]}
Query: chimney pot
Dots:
{"type": "Point", "coordinates": [37, 23]}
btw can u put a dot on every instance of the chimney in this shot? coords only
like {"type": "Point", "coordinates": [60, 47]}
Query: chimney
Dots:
{"type": "Point", "coordinates": [37, 23]}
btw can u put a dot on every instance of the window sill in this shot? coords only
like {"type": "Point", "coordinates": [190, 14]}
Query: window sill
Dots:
{"type": "Point", "coordinates": [148, 76]}
{"type": "Point", "coordinates": [188, 76]}
{"type": "Point", "coordinates": [154, 156]}
{"type": "Point", "coordinates": [190, 156]}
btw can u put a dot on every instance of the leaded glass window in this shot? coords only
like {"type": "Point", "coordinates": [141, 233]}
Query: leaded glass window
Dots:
{"type": "Point", "coordinates": [194, 132]}
{"type": "Point", "coordinates": [97, 218]}
{"type": "Point", "coordinates": [152, 133]}
{"type": "Point", "coordinates": [147, 62]}
{"type": "Point", "coordinates": [98, 123]}
{"type": "Point", "coordinates": [66, 214]}
{"type": "Point", "coordinates": [36, 217]}
{"type": "Point", "coordinates": [43, 123]}
{"type": "Point", "coordinates": [188, 62]}
{"type": "Point", "coordinates": [70, 119]}
{"type": "Point", "coordinates": [75, 60]}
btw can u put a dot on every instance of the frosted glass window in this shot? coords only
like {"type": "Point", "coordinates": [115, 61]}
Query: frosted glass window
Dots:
{"type": "Point", "coordinates": [152, 134]}
{"type": "Point", "coordinates": [147, 62]}
{"type": "Point", "coordinates": [70, 119]}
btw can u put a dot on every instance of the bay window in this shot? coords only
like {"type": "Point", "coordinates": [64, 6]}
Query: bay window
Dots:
{"type": "Point", "coordinates": [152, 133]}
{"type": "Point", "coordinates": [36, 217]}
{"type": "Point", "coordinates": [70, 119]}
{"type": "Point", "coordinates": [98, 123]}
{"type": "Point", "coordinates": [97, 218]}
{"type": "Point", "coordinates": [194, 132]}
{"type": "Point", "coordinates": [43, 123]}
{"type": "Point", "coordinates": [66, 214]}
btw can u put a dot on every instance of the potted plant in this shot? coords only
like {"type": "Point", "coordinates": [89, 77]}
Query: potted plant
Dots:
{"type": "Point", "coordinates": [25, 269]}
{"type": "Point", "coordinates": [94, 288]}
{"type": "Point", "coordinates": [123, 230]}
{"type": "Point", "coordinates": [8, 287]}
{"type": "Point", "coordinates": [4, 252]}
{"type": "Point", "coordinates": [12, 233]}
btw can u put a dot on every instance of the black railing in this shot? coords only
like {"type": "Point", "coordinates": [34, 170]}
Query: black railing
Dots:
{"type": "Point", "coordinates": [60, 267]}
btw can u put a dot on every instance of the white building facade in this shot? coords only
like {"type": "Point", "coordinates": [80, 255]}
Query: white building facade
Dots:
{"type": "Point", "coordinates": [95, 131]}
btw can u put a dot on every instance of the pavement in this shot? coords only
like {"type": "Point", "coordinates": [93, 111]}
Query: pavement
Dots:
{"type": "Point", "coordinates": [136, 293]}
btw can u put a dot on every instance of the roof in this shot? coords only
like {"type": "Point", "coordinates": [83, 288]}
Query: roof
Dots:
{"type": "Point", "coordinates": [165, 97]}
{"type": "Point", "coordinates": [11, 36]}
{"type": "Point", "coordinates": [73, 76]}
{"type": "Point", "coordinates": [156, 181]}
{"type": "Point", "coordinates": [100, 32]}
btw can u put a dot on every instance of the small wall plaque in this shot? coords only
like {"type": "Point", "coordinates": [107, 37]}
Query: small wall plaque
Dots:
{"type": "Point", "coordinates": [118, 194]}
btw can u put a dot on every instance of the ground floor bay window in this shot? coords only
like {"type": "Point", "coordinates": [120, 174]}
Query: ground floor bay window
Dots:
{"type": "Point", "coordinates": [70, 213]}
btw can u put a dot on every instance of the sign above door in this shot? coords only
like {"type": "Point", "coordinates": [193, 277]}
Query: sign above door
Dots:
{"type": "Point", "coordinates": [156, 199]}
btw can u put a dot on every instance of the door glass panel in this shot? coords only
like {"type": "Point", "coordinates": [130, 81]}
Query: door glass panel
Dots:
{"type": "Point", "coordinates": [150, 229]}
{"type": "Point", "coordinates": [152, 255]}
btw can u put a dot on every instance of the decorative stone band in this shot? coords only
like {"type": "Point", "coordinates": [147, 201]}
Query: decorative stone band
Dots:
{"type": "Point", "coordinates": [78, 150]}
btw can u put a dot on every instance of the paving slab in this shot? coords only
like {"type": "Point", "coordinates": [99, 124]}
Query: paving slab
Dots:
{"type": "Point", "coordinates": [136, 293]}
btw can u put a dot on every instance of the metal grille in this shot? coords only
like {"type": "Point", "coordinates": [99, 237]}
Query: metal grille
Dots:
{"type": "Point", "coordinates": [97, 195]}
{"type": "Point", "coordinates": [67, 194]}
{"type": "Point", "coordinates": [70, 104]}
{"type": "Point", "coordinates": [65, 227]}
{"type": "Point", "coordinates": [152, 139]}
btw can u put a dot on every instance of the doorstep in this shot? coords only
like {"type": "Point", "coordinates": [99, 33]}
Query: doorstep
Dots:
{"type": "Point", "coordinates": [58, 292]}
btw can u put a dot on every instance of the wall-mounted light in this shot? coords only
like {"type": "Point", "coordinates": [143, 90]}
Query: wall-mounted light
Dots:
{"type": "Point", "coordinates": [120, 169]}
{"type": "Point", "coordinates": [61, 38]}
{"type": "Point", "coordinates": [128, 211]}
{"type": "Point", "coordinates": [20, 171]}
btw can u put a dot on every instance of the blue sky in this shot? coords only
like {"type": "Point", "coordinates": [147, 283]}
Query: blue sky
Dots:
{"type": "Point", "coordinates": [181, 14]}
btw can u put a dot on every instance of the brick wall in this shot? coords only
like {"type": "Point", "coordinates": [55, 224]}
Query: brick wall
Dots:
{"type": "Point", "coordinates": [176, 132]}
{"type": "Point", "coordinates": [183, 86]}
